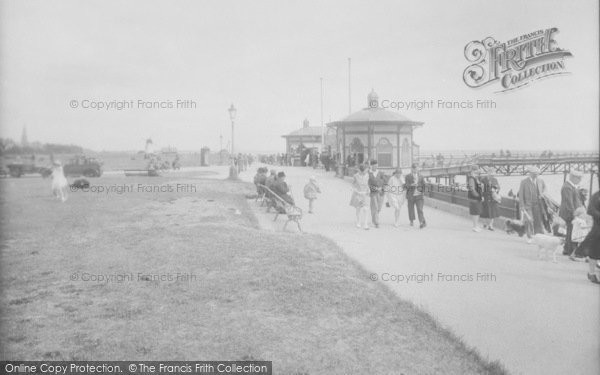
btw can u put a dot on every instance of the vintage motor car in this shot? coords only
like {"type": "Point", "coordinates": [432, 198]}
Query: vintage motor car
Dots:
{"type": "Point", "coordinates": [83, 166]}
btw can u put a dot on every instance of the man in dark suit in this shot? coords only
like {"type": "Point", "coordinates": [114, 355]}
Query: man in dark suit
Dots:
{"type": "Point", "coordinates": [280, 187]}
{"type": "Point", "coordinates": [570, 200]}
{"type": "Point", "coordinates": [530, 202]}
{"type": "Point", "coordinates": [376, 182]}
{"type": "Point", "coordinates": [415, 187]}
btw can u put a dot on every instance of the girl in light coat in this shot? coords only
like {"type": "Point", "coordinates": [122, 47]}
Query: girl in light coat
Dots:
{"type": "Point", "coordinates": [311, 189]}
{"type": "Point", "coordinates": [60, 184]}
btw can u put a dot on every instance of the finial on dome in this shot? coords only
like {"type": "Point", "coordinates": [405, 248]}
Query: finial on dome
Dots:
{"type": "Point", "coordinates": [373, 99]}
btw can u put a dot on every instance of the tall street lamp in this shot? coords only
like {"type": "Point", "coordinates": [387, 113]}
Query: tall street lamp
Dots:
{"type": "Point", "coordinates": [232, 112]}
{"type": "Point", "coordinates": [221, 148]}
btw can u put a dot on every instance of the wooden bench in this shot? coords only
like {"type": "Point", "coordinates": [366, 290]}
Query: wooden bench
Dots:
{"type": "Point", "coordinates": [293, 212]}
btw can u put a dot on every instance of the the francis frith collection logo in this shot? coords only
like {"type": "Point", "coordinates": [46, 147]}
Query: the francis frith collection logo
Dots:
{"type": "Point", "coordinates": [515, 63]}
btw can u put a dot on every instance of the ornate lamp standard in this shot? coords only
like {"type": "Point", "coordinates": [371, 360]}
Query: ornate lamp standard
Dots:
{"type": "Point", "coordinates": [233, 169]}
{"type": "Point", "coordinates": [221, 148]}
{"type": "Point", "coordinates": [232, 112]}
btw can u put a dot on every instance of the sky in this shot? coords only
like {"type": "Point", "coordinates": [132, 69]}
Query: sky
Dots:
{"type": "Point", "coordinates": [267, 57]}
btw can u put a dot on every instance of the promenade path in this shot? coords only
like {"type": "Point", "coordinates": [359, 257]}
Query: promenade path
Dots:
{"type": "Point", "coordinates": [536, 317]}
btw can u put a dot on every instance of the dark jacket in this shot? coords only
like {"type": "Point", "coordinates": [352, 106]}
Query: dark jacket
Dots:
{"type": "Point", "coordinates": [570, 200]}
{"type": "Point", "coordinates": [475, 190]}
{"type": "Point", "coordinates": [409, 180]}
{"type": "Point", "coordinates": [489, 185]}
{"type": "Point", "coordinates": [260, 178]}
{"type": "Point", "coordinates": [270, 181]}
{"type": "Point", "coordinates": [594, 208]}
{"type": "Point", "coordinates": [281, 189]}
{"type": "Point", "coordinates": [530, 192]}
{"type": "Point", "coordinates": [376, 183]}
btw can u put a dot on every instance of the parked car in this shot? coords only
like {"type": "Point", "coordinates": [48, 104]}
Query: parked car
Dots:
{"type": "Point", "coordinates": [83, 166]}
{"type": "Point", "coordinates": [19, 169]}
{"type": "Point", "coordinates": [19, 165]}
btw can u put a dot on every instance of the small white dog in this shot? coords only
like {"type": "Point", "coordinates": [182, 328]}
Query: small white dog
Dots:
{"type": "Point", "coordinates": [547, 243]}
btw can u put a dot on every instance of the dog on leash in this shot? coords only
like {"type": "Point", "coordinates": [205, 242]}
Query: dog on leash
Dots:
{"type": "Point", "coordinates": [515, 226]}
{"type": "Point", "coordinates": [547, 243]}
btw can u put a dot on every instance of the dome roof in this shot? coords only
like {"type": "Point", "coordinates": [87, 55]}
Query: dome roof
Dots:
{"type": "Point", "coordinates": [374, 114]}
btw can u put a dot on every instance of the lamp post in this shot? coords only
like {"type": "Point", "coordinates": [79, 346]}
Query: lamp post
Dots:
{"type": "Point", "coordinates": [233, 169]}
{"type": "Point", "coordinates": [232, 112]}
{"type": "Point", "coordinates": [221, 148]}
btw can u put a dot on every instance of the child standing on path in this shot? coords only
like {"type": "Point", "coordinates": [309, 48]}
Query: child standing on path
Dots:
{"type": "Point", "coordinates": [580, 230]}
{"type": "Point", "coordinates": [311, 189]}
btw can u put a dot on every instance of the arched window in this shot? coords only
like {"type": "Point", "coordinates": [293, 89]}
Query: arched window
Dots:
{"type": "Point", "coordinates": [357, 151]}
{"type": "Point", "coordinates": [384, 153]}
{"type": "Point", "coordinates": [405, 155]}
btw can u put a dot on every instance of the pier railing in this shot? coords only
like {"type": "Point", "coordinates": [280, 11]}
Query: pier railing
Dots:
{"type": "Point", "coordinates": [457, 195]}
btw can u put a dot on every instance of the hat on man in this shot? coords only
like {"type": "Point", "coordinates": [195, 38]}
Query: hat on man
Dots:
{"type": "Point", "coordinates": [576, 173]}
{"type": "Point", "coordinates": [414, 166]}
{"type": "Point", "coordinates": [533, 169]}
{"type": "Point", "coordinates": [373, 162]}
{"type": "Point", "coordinates": [273, 172]}
{"type": "Point", "coordinates": [281, 174]}
{"type": "Point", "coordinates": [397, 171]}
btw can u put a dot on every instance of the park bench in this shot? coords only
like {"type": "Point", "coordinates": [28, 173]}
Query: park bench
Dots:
{"type": "Point", "coordinates": [293, 213]}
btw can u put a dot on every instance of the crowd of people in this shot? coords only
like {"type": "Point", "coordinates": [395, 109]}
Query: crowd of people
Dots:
{"type": "Point", "coordinates": [371, 187]}
{"type": "Point", "coordinates": [372, 190]}
{"type": "Point", "coordinates": [483, 192]}
{"type": "Point", "coordinates": [305, 158]}
{"type": "Point", "coordinates": [582, 223]}
{"type": "Point", "coordinates": [541, 218]}
{"type": "Point", "coordinates": [446, 160]}
{"type": "Point", "coordinates": [275, 182]}
{"type": "Point", "coordinates": [242, 161]}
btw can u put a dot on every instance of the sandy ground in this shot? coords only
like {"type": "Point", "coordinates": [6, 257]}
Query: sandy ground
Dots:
{"type": "Point", "coordinates": [536, 317]}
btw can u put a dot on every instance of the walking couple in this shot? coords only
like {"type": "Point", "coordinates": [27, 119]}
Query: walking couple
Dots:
{"type": "Point", "coordinates": [372, 185]}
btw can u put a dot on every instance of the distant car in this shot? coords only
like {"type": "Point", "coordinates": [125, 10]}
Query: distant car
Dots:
{"type": "Point", "coordinates": [83, 166]}
{"type": "Point", "coordinates": [17, 170]}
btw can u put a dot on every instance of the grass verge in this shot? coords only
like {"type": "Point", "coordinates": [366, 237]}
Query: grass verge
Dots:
{"type": "Point", "coordinates": [189, 275]}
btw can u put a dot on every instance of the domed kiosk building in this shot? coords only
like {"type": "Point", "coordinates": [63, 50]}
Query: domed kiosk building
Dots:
{"type": "Point", "coordinates": [374, 133]}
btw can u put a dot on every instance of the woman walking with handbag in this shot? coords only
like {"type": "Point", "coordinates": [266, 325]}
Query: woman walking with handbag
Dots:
{"type": "Point", "coordinates": [474, 194]}
{"type": "Point", "coordinates": [491, 199]}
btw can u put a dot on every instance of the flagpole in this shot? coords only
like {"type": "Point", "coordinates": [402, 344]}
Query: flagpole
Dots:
{"type": "Point", "coordinates": [349, 86]}
{"type": "Point", "coordinates": [322, 125]}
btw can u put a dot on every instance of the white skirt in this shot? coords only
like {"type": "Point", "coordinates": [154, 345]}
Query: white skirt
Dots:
{"type": "Point", "coordinates": [59, 181]}
{"type": "Point", "coordinates": [396, 200]}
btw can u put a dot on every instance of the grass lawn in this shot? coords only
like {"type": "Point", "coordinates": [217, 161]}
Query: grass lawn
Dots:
{"type": "Point", "coordinates": [229, 291]}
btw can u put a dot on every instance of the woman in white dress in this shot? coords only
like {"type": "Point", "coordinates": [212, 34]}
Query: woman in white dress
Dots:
{"type": "Point", "coordinates": [360, 196]}
{"type": "Point", "coordinates": [59, 182]}
{"type": "Point", "coordinates": [395, 194]}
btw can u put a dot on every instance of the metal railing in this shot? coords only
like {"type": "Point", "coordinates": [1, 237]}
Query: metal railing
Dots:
{"type": "Point", "coordinates": [457, 195]}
